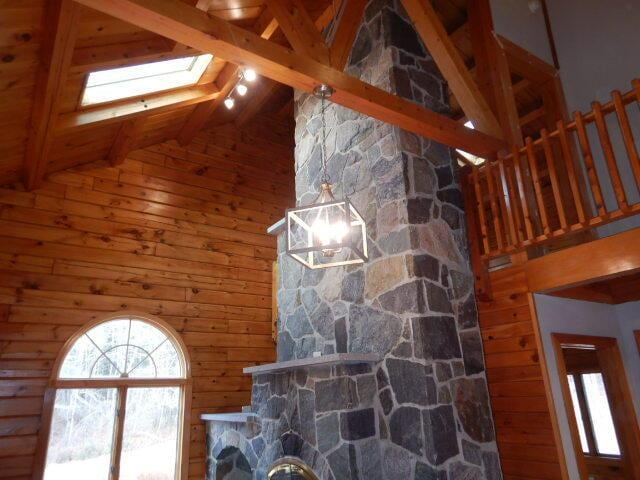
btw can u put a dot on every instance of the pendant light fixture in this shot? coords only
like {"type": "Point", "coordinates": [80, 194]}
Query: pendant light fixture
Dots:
{"type": "Point", "coordinates": [328, 232]}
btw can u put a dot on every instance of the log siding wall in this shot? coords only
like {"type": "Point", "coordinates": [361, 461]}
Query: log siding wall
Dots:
{"type": "Point", "coordinates": [177, 233]}
{"type": "Point", "coordinates": [521, 411]}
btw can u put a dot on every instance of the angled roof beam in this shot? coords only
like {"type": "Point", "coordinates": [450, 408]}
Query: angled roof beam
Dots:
{"type": "Point", "coordinates": [257, 102]}
{"type": "Point", "coordinates": [348, 25]}
{"type": "Point", "coordinates": [299, 29]}
{"type": "Point", "coordinates": [134, 108]}
{"type": "Point", "coordinates": [492, 70]}
{"type": "Point", "coordinates": [185, 24]}
{"type": "Point", "coordinates": [226, 81]}
{"type": "Point", "coordinates": [262, 96]}
{"type": "Point", "coordinates": [444, 52]}
{"type": "Point", "coordinates": [125, 140]}
{"type": "Point", "coordinates": [54, 66]}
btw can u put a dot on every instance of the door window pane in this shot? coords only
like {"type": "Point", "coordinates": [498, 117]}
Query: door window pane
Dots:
{"type": "Point", "coordinates": [577, 411]}
{"type": "Point", "coordinates": [600, 413]}
{"type": "Point", "coordinates": [150, 440]}
{"type": "Point", "coordinates": [81, 436]}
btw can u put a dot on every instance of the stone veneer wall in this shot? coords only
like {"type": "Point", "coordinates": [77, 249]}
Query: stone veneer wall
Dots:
{"type": "Point", "coordinates": [413, 301]}
{"type": "Point", "coordinates": [423, 412]}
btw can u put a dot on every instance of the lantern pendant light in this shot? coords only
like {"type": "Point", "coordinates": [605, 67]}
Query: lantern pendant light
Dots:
{"type": "Point", "coordinates": [328, 232]}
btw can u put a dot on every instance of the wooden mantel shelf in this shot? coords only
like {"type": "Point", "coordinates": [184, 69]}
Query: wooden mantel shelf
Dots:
{"type": "Point", "coordinates": [322, 361]}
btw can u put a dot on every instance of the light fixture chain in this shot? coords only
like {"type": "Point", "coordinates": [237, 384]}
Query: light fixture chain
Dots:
{"type": "Point", "coordinates": [323, 150]}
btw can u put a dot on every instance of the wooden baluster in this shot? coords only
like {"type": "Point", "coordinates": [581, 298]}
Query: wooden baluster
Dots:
{"type": "Point", "coordinates": [571, 170]}
{"type": "Point", "coordinates": [553, 175]}
{"type": "Point", "coordinates": [533, 167]}
{"type": "Point", "coordinates": [494, 206]}
{"type": "Point", "coordinates": [609, 155]}
{"type": "Point", "coordinates": [522, 193]}
{"type": "Point", "coordinates": [627, 133]}
{"type": "Point", "coordinates": [508, 202]}
{"type": "Point", "coordinates": [517, 212]}
{"type": "Point", "coordinates": [481, 216]}
{"type": "Point", "coordinates": [592, 173]}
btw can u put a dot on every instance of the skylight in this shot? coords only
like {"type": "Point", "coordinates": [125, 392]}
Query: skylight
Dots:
{"type": "Point", "coordinates": [469, 156]}
{"type": "Point", "coordinates": [126, 82]}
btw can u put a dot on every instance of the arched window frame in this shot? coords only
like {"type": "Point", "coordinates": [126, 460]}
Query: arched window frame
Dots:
{"type": "Point", "coordinates": [122, 384]}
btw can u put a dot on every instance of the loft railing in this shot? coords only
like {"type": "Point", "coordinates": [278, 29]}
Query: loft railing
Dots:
{"type": "Point", "coordinates": [551, 188]}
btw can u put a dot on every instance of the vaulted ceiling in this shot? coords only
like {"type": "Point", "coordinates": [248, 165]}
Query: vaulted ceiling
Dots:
{"type": "Point", "coordinates": [99, 41]}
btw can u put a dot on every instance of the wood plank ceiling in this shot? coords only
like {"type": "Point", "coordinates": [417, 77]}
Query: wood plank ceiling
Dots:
{"type": "Point", "coordinates": [96, 41]}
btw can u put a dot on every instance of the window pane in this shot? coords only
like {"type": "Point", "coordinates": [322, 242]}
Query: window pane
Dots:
{"type": "Point", "coordinates": [167, 361]}
{"type": "Point", "coordinates": [600, 413]}
{"type": "Point", "coordinates": [123, 348]}
{"type": "Point", "coordinates": [150, 441]}
{"type": "Point", "coordinates": [577, 411]}
{"type": "Point", "coordinates": [81, 435]}
{"type": "Point", "coordinates": [80, 359]}
{"type": "Point", "coordinates": [126, 82]}
{"type": "Point", "coordinates": [121, 74]}
{"type": "Point", "coordinates": [145, 335]}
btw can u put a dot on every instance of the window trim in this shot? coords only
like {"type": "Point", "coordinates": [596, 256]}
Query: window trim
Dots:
{"type": "Point", "coordinates": [121, 384]}
{"type": "Point", "coordinates": [622, 409]}
{"type": "Point", "coordinates": [81, 105]}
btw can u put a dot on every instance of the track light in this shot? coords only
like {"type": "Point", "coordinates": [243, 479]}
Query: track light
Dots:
{"type": "Point", "coordinates": [250, 74]}
{"type": "Point", "coordinates": [241, 88]}
{"type": "Point", "coordinates": [229, 102]}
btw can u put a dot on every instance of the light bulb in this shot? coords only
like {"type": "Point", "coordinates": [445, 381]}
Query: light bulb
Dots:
{"type": "Point", "coordinates": [328, 233]}
{"type": "Point", "coordinates": [229, 102]}
{"type": "Point", "coordinates": [241, 88]}
{"type": "Point", "coordinates": [250, 74]}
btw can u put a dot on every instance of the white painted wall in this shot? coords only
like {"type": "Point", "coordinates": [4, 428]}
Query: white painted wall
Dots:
{"type": "Point", "coordinates": [596, 41]}
{"type": "Point", "coordinates": [628, 316]}
{"type": "Point", "coordinates": [562, 315]}
{"type": "Point", "coordinates": [514, 20]}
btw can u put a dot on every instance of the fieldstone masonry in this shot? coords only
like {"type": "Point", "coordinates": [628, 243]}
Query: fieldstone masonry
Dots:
{"type": "Point", "coordinates": [423, 412]}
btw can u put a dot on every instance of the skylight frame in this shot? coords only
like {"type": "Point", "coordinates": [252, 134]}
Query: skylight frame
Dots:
{"type": "Point", "coordinates": [98, 91]}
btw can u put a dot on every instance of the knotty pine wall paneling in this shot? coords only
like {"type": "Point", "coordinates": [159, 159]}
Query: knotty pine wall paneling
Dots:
{"type": "Point", "coordinates": [174, 232]}
{"type": "Point", "coordinates": [522, 416]}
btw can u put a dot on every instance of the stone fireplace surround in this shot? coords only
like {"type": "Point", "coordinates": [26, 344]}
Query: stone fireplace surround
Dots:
{"type": "Point", "coordinates": [422, 411]}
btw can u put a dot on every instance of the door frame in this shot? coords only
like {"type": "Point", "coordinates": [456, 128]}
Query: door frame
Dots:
{"type": "Point", "coordinates": [622, 406]}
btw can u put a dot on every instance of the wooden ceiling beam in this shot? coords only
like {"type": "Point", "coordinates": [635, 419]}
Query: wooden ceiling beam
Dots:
{"type": "Point", "coordinates": [192, 27]}
{"type": "Point", "coordinates": [125, 140]}
{"type": "Point", "coordinates": [492, 70]}
{"type": "Point", "coordinates": [298, 27]}
{"type": "Point", "coordinates": [451, 64]}
{"type": "Point", "coordinates": [261, 97]}
{"type": "Point", "coordinates": [94, 58]}
{"type": "Point", "coordinates": [346, 32]}
{"type": "Point", "coordinates": [532, 116]}
{"type": "Point", "coordinates": [64, 17]}
{"type": "Point", "coordinates": [152, 105]}
{"type": "Point", "coordinates": [321, 22]}
{"type": "Point", "coordinates": [526, 64]}
{"type": "Point", "coordinates": [226, 81]}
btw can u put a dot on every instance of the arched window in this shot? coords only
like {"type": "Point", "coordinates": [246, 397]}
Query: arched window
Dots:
{"type": "Point", "coordinates": [118, 395]}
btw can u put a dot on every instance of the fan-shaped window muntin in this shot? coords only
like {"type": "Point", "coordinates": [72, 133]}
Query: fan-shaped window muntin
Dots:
{"type": "Point", "coordinates": [117, 403]}
{"type": "Point", "coordinates": [123, 348]}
